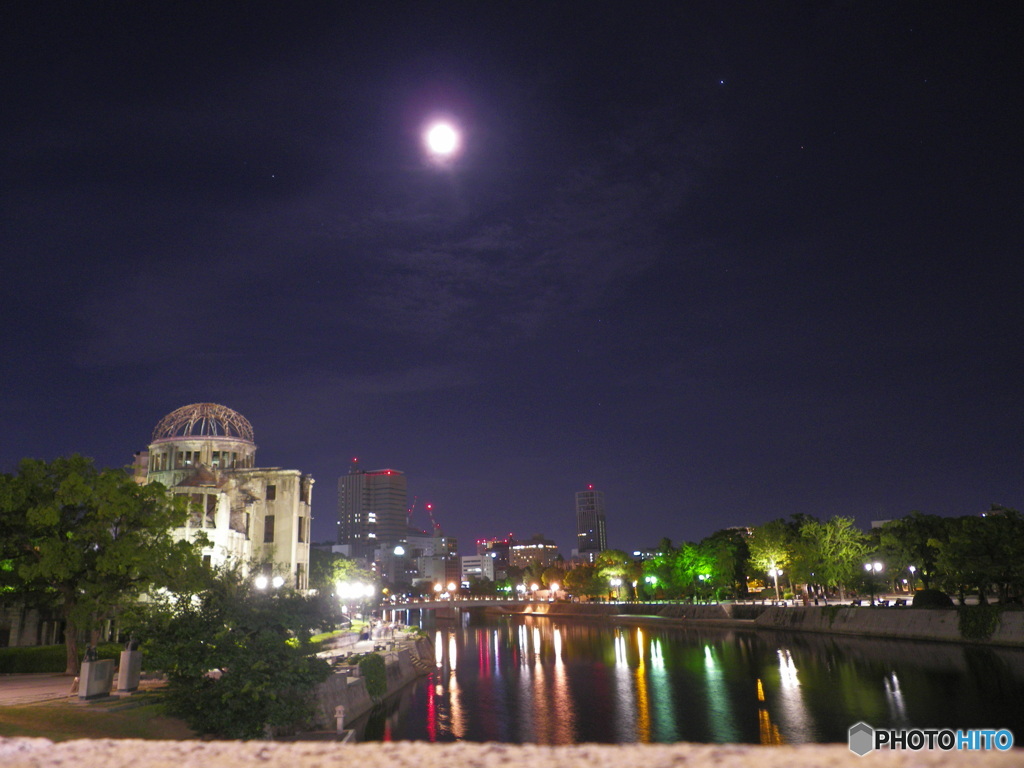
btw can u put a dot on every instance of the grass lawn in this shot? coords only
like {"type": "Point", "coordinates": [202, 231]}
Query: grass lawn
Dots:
{"type": "Point", "coordinates": [141, 717]}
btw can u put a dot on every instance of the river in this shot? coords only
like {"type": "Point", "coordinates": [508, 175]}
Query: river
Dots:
{"type": "Point", "coordinates": [559, 681]}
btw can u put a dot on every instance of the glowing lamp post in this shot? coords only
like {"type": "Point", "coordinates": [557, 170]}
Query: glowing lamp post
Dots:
{"type": "Point", "coordinates": [616, 582]}
{"type": "Point", "coordinates": [261, 582]}
{"type": "Point", "coordinates": [653, 581]}
{"type": "Point", "coordinates": [554, 590]}
{"type": "Point", "coordinates": [775, 573]}
{"type": "Point", "coordinates": [873, 569]}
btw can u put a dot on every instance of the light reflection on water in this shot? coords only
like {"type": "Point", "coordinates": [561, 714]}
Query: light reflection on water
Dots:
{"type": "Point", "coordinates": [538, 680]}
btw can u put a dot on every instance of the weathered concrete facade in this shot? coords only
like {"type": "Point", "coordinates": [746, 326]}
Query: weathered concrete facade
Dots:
{"type": "Point", "coordinates": [251, 515]}
{"type": "Point", "coordinates": [28, 626]}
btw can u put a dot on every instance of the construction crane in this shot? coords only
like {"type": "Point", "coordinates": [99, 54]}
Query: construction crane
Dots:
{"type": "Point", "coordinates": [430, 513]}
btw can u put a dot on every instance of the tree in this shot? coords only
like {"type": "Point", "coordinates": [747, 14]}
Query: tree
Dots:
{"type": "Point", "coordinates": [91, 540]}
{"type": "Point", "coordinates": [657, 571]}
{"type": "Point", "coordinates": [837, 550]}
{"type": "Point", "coordinates": [238, 661]}
{"type": "Point", "coordinates": [983, 553]}
{"type": "Point", "coordinates": [613, 564]}
{"type": "Point", "coordinates": [770, 548]}
{"type": "Point", "coordinates": [327, 569]}
{"type": "Point", "coordinates": [553, 574]}
{"type": "Point", "coordinates": [916, 540]}
{"type": "Point", "coordinates": [728, 553]}
{"type": "Point", "coordinates": [583, 580]}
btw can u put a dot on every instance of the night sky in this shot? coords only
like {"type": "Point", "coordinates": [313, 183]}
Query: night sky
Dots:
{"type": "Point", "coordinates": [725, 261]}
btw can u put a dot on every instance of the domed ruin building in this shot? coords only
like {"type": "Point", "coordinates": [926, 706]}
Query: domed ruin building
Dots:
{"type": "Point", "coordinates": [258, 517]}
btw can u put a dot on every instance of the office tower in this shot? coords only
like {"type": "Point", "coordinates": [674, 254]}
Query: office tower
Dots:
{"type": "Point", "coordinates": [372, 509]}
{"type": "Point", "coordinates": [590, 532]}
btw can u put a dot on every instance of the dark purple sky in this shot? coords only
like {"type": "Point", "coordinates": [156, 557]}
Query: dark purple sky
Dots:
{"type": "Point", "coordinates": [725, 261]}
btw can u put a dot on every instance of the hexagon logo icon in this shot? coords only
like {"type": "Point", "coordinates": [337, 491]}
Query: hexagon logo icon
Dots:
{"type": "Point", "coordinates": [861, 739]}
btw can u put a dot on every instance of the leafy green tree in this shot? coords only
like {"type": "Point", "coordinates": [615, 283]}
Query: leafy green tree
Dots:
{"type": "Point", "coordinates": [836, 549]}
{"type": "Point", "coordinates": [982, 554]}
{"type": "Point", "coordinates": [916, 540]}
{"type": "Point", "coordinates": [583, 580]}
{"type": "Point", "coordinates": [659, 570]}
{"type": "Point", "coordinates": [614, 564]}
{"type": "Point", "coordinates": [728, 552]}
{"type": "Point", "coordinates": [771, 547]}
{"type": "Point", "coordinates": [238, 661]}
{"type": "Point", "coordinates": [91, 540]}
{"type": "Point", "coordinates": [327, 569]}
{"type": "Point", "coordinates": [553, 574]}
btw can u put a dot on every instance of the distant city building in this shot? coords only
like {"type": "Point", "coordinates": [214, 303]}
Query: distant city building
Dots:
{"type": "Point", "coordinates": [647, 554]}
{"type": "Point", "coordinates": [523, 553]}
{"type": "Point", "coordinates": [415, 558]}
{"type": "Point", "coordinates": [371, 509]}
{"type": "Point", "coordinates": [591, 537]}
{"type": "Point", "coordinates": [249, 514]}
{"type": "Point", "coordinates": [498, 551]}
{"type": "Point", "coordinates": [477, 566]}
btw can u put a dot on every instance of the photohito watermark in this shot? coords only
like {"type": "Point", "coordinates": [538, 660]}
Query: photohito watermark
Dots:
{"type": "Point", "coordinates": [863, 739]}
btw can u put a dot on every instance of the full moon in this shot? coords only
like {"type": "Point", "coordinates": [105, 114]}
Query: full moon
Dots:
{"type": "Point", "coordinates": [442, 139]}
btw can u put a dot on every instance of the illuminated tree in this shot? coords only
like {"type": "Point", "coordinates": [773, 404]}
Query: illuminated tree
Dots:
{"type": "Point", "coordinates": [770, 547]}
{"type": "Point", "coordinates": [836, 550]}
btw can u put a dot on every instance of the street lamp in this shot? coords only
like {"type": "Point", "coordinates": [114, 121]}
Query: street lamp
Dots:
{"type": "Point", "coordinates": [653, 581]}
{"type": "Point", "coordinates": [701, 577]}
{"type": "Point", "coordinates": [553, 586]}
{"type": "Point", "coordinates": [616, 582]}
{"type": "Point", "coordinates": [261, 582]}
{"type": "Point", "coordinates": [775, 573]}
{"type": "Point", "coordinates": [872, 569]}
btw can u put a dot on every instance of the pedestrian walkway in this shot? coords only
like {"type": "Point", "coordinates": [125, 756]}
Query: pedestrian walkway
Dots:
{"type": "Point", "coordinates": [33, 688]}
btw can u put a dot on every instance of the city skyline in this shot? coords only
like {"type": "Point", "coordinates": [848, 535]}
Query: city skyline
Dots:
{"type": "Point", "coordinates": [726, 262]}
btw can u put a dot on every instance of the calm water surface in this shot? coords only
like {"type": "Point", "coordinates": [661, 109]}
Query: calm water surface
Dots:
{"type": "Point", "coordinates": [552, 681]}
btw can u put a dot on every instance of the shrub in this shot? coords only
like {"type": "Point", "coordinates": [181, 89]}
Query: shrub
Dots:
{"type": "Point", "coordinates": [47, 658]}
{"type": "Point", "coordinates": [238, 665]}
{"type": "Point", "coordinates": [932, 598]}
{"type": "Point", "coordinates": [978, 622]}
{"type": "Point", "coordinates": [374, 671]}
{"type": "Point", "coordinates": [41, 658]}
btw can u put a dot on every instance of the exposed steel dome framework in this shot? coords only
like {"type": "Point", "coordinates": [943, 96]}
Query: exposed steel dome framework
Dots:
{"type": "Point", "coordinates": [204, 420]}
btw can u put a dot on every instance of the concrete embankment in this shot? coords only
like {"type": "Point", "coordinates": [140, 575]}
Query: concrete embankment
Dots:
{"type": "Point", "coordinates": [407, 660]}
{"type": "Point", "coordinates": [901, 623]}
{"type": "Point", "coordinates": [896, 623]}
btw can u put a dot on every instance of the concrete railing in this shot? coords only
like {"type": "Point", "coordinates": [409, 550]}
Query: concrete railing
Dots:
{"type": "Point", "coordinates": [41, 753]}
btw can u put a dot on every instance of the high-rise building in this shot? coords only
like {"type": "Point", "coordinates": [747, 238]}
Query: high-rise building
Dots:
{"type": "Point", "coordinates": [371, 509]}
{"type": "Point", "coordinates": [590, 531]}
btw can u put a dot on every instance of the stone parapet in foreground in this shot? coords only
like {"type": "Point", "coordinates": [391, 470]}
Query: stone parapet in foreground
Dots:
{"type": "Point", "coordinates": [128, 753]}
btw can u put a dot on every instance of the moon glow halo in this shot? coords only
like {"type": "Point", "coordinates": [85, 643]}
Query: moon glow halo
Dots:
{"type": "Point", "coordinates": [442, 140]}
